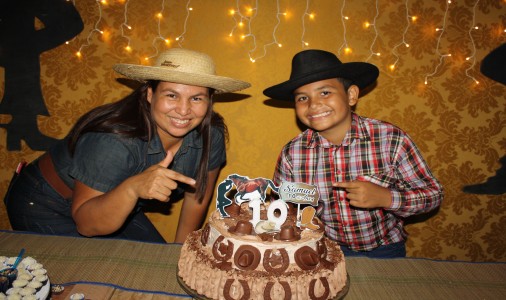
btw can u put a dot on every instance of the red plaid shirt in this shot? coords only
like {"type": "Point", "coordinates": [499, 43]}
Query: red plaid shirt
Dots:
{"type": "Point", "coordinates": [373, 151]}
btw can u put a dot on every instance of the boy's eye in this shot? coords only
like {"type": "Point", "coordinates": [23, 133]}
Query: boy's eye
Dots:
{"type": "Point", "coordinates": [300, 98]}
{"type": "Point", "coordinates": [325, 93]}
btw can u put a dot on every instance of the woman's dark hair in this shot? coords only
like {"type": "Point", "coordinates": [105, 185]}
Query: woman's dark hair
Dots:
{"type": "Point", "coordinates": [131, 117]}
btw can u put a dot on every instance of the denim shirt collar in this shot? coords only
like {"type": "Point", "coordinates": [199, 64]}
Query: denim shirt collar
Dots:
{"type": "Point", "coordinates": [193, 139]}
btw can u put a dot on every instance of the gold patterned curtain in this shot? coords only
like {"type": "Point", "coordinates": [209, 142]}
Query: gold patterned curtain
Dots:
{"type": "Point", "coordinates": [428, 52]}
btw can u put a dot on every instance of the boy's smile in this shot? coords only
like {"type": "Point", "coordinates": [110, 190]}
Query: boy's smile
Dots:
{"type": "Point", "coordinates": [326, 107]}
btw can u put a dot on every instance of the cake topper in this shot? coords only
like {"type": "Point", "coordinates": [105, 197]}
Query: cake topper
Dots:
{"type": "Point", "coordinates": [254, 191]}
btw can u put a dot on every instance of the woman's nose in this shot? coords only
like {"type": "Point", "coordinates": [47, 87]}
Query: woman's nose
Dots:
{"type": "Point", "coordinates": [183, 107]}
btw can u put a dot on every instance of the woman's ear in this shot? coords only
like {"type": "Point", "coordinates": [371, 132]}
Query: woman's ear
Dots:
{"type": "Point", "coordinates": [353, 92]}
{"type": "Point", "coordinates": [149, 94]}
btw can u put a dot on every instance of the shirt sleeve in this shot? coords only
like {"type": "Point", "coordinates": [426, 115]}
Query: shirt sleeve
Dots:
{"type": "Point", "coordinates": [102, 161]}
{"type": "Point", "coordinates": [283, 170]}
{"type": "Point", "coordinates": [218, 154]}
{"type": "Point", "coordinates": [416, 189]}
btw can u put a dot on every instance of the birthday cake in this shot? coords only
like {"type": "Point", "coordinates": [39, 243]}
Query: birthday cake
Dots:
{"type": "Point", "coordinates": [252, 248]}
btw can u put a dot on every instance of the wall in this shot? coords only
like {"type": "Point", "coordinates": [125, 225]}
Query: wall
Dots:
{"type": "Point", "coordinates": [457, 124]}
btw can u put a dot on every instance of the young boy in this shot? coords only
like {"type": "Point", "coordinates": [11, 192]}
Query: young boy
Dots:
{"type": "Point", "coordinates": [369, 173]}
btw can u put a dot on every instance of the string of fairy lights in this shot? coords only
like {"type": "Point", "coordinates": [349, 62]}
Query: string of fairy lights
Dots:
{"type": "Point", "coordinates": [243, 16]}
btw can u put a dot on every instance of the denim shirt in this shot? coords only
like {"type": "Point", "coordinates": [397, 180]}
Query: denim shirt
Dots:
{"type": "Point", "coordinates": [104, 160]}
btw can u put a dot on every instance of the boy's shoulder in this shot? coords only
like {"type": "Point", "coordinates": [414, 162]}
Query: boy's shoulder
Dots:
{"type": "Point", "coordinates": [378, 125]}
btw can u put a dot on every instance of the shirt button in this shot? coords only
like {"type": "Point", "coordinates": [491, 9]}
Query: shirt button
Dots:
{"type": "Point", "coordinates": [338, 171]}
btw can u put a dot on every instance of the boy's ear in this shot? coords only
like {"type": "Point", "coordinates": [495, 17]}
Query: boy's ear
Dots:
{"type": "Point", "coordinates": [353, 93]}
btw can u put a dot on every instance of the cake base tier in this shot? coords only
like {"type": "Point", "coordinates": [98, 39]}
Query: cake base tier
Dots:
{"type": "Point", "coordinates": [197, 296]}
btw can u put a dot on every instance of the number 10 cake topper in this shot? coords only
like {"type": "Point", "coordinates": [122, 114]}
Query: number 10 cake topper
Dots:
{"type": "Point", "coordinates": [254, 191]}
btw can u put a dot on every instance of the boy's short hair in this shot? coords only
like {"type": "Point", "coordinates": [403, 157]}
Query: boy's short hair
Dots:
{"type": "Point", "coordinates": [345, 82]}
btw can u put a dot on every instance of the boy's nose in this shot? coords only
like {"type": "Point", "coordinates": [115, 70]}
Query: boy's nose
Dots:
{"type": "Point", "coordinates": [314, 101]}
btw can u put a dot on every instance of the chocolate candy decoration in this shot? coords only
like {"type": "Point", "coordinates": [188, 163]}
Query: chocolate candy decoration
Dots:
{"type": "Point", "coordinates": [321, 247]}
{"type": "Point", "coordinates": [204, 238]}
{"type": "Point", "coordinates": [325, 295]}
{"type": "Point", "coordinates": [221, 251]}
{"type": "Point", "coordinates": [287, 233]}
{"type": "Point", "coordinates": [247, 257]}
{"type": "Point", "coordinates": [228, 285]}
{"type": "Point", "coordinates": [242, 228]}
{"type": "Point", "coordinates": [270, 261]}
{"type": "Point", "coordinates": [306, 258]}
{"type": "Point", "coordinates": [286, 288]}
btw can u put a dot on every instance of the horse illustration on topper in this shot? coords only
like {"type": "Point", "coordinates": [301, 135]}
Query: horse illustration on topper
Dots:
{"type": "Point", "coordinates": [247, 190]}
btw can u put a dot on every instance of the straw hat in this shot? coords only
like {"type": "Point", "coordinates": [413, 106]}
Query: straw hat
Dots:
{"type": "Point", "coordinates": [183, 66]}
{"type": "Point", "coordinates": [314, 65]}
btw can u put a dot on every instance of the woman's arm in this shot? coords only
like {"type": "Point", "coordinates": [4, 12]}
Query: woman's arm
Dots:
{"type": "Point", "coordinates": [98, 213]}
{"type": "Point", "coordinates": [193, 212]}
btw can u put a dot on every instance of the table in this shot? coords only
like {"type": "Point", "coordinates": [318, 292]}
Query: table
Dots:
{"type": "Point", "coordinates": [120, 269]}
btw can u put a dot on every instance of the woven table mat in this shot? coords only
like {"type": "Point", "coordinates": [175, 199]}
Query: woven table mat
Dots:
{"type": "Point", "coordinates": [132, 265]}
{"type": "Point", "coordinates": [152, 267]}
{"type": "Point", "coordinates": [413, 278]}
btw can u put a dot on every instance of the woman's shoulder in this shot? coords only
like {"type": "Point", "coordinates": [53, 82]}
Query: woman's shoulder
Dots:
{"type": "Point", "coordinates": [115, 144]}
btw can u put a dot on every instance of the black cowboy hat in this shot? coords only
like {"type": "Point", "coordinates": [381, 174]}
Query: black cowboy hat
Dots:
{"type": "Point", "coordinates": [314, 65]}
{"type": "Point", "coordinates": [494, 64]}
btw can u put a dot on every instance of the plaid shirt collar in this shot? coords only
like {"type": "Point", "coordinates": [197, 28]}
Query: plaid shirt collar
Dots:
{"type": "Point", "coordinates": [358, 131]}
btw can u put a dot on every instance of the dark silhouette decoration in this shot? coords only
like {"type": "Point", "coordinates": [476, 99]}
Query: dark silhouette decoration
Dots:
{"type": "Point", "coordinates": [494, 67]}
{"type": "Point", "coordinates": [20, 47]}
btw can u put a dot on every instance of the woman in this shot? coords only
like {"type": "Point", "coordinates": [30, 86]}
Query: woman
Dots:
{"type": "Point", "coordinates": [162, 142]}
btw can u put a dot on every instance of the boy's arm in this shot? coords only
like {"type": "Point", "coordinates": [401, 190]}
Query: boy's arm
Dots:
{"type": "Point", "coordinates": [415, 190]}
{"type": "Point", "coordinates": [410, 188]}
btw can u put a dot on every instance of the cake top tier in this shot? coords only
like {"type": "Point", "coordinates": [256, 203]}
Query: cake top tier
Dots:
{"type": "Point", "coordinates": [290, 209]}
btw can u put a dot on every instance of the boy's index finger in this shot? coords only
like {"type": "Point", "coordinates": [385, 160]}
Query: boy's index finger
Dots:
{"type": "Point", "coordinates": [342, 184]}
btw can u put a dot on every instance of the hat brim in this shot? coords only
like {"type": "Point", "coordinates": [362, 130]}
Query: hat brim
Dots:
{"type": "Point", "coordinates": [361, 74]}
{"type": "Point", "coordinates": [220, 84]}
